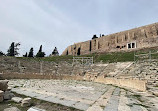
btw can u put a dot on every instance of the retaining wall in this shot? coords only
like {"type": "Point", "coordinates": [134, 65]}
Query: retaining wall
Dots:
{"type": "Point", "coordinates": [130, 83]}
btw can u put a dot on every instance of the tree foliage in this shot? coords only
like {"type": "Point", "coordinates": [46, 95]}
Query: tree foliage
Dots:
{"type": "Point", "coordinates": [94, 37]}
{"type": "Point", "coordinates": [55, 52]}
{"type": "Point", "coordinates": [25, 55]}
{"type": "Point", "coordinates": [31, 53]}
{"type": "Point", "coordinates": [1, 53]}
{"type": "Point", "coordinates": [13, 49]}
{"type": "Point", "coordinates": [40, 53]}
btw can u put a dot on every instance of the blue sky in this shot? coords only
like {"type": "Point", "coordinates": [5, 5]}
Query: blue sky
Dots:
{"type": "Point", "coordinates": [61, 23]}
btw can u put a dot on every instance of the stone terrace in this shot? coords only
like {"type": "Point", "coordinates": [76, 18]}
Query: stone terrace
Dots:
{"type": "Point", "coordinates": [87, 96]}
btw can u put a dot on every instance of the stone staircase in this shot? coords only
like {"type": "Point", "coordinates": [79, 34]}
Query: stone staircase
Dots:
{"type": "Point", "coordinates": [144, 70]}
{"type": "Point", "coordinates": [106, 70]}
{"type": "Point", "coordinates": [95, 71]}
{"type": "Point", "coordinates": [116, 69]}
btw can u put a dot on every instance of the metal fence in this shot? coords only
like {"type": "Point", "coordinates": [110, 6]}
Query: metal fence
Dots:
{"type": "Point", "coordinates": [148, 56]}
{"type": "Point", "coordinates": [82, 61]}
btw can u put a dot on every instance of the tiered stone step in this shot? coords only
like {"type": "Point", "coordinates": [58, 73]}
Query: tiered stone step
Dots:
{"type": "Point", "coordinates": [91, 76]}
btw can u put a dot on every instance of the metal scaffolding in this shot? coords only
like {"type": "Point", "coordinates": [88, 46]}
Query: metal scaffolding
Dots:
{"type": "Point", "coordinates": [82, 61]}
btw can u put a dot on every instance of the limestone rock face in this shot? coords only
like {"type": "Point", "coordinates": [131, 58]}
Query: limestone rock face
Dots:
{"type": "Point", "coordinates": [4, 85]}
{"type": "Point", "coordinates": [141, 37]}
{"type": "Point", "coordinates": [26, 102]}
{"type": "Point", "coordinates": [11, 109]}
{"type": "Point", "coordinates": [16, 99]}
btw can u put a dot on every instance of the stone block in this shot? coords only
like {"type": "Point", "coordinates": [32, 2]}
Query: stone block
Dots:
{"type": "Point", "coordinates": [26, 102]}
{"type": "Point", "coordinates": [1, 93]}
{"type": "Point", "coordinates": [1, 99]}
{"type": "Point", "coordinates": [155, 93]}
{"type": "Point", "coordinates": [8, 95]}
{"type": "Point", "coordinates": [35, 109]}
{"type": "Point", "coordinates": [12, 109]}
{"type": "Point", "coordinates": [4, 85]}
{"type": "Point", "coordinates": [16, 99]}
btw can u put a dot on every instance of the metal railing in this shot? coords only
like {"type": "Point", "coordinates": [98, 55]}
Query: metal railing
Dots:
{"type": "Point", "coordinates": [147, 56]}
{"type": "Point", "coordinates": [82, 61]}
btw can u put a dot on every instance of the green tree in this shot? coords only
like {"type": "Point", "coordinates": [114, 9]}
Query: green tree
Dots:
{"type": "Point", "coordinates": [94, 37]}
{"type": "Point", "coordinates": [40, 53]}
{"type": "Point", "coordinates": [1, 53]}
{"type": "Point", "coordinates": [25, 55]}
{"type": "Point", "coordinates": [31, 53]}
{"type": "Point", "coordinates": [55, 52]}
{"type": "Point", "coordinates": [13, 49]}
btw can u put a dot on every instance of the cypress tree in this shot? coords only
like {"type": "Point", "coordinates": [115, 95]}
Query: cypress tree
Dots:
{"type": "Point", "coordinates": [31, 53]}
{"type": "Point", "coordinates": [11, 50]}
{"type": "Point", "coordinates": [1, 53]}
{"type": "Point", "coordinates": [55, 52]}
{"type": "Point", "coordinates": [40, 53]}
{"type": "Point", "coordinates": [25, 55]}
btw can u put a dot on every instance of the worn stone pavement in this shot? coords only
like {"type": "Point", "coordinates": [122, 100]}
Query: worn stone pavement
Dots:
{"type": "Point", "coordinates": [87, 96]}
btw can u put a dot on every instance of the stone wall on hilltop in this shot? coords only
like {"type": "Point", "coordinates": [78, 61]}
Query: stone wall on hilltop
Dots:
{"type": "Point", "coordinates": [138, 38]}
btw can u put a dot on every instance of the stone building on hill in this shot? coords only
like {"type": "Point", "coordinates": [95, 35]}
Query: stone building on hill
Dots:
{"type": "Point", "coordinates": [138, 38]}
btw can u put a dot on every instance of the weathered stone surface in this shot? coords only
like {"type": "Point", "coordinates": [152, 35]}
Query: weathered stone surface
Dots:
{"type": "Point", "coordinates": [155, 93]}
{"type": "Point", "coordinates": [8, 95]}
{"type": "Point", "coordinates": [4, 85]}
{"type": "Point", "coordinates": [12, 109]}
{"type": "Point", "coordinates": [1, 99]}
{"type": "Point", "coordinates": [114, 101]}
{"type": "Point", "coordinates": [1, 93]}
{"type": "Point", "coordinates": [26, 102]}
{"type": "Point", "coordinates": [88, 96]}
{"type": "Point", "coordinates": [16, 99]}
{"type": "Point", "coordinates": [35, 109]}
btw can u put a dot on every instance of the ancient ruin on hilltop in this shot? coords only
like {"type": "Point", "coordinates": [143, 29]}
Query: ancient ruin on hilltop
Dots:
{"type": "Point", "coordinates": [138, 38]}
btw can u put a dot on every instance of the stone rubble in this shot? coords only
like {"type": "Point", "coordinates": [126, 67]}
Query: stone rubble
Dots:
{"type": "Point", "coordinates": [35, 109]}
{"type": "Point", "coordinates": [26, 102]}
{"type": "Point", "coordinates": [17, 99]}
{"type": "Point", "coordinates": [4, 85]}
{"type": "Point", "coordinates": [8, 95]}
{"type": "Point", "coordinates": [5, 93]}
{"type": "Point", "coordinates": [12, 109]}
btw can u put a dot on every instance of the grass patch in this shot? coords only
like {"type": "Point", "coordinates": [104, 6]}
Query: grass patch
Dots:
{"type": "Point", "coordinates": [105, 58]}
{"type": "Point", "coordinates": [49, 59]}
{"type": "Point", "coordinates": [138, 97]}
{"type": "Point", "coordinates": [141, 105]}
{"type": "Point", "coordinates": [9, 103]}
{"type": "Point", "coordinates": [109, 57]}
{"type": "Point", "coordinates": [131, 105]}
{"type": "Point", "coordinates": [102, 106]}
{"type": "Point", "coordinates": [156, 86]}
{"type": "Point", "coordinates": [15, 86]}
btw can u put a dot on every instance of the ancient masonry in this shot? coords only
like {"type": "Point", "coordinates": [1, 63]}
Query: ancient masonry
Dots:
{"type": "Point", "coordinates": [138, 38]}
